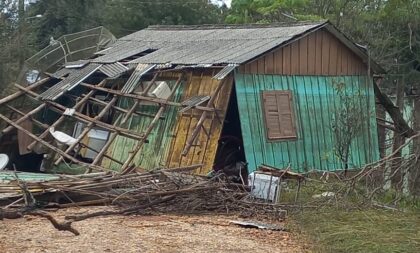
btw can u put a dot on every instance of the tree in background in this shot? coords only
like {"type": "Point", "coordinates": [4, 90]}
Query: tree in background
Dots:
{"type": "Point", "coordinates": [61, 17]}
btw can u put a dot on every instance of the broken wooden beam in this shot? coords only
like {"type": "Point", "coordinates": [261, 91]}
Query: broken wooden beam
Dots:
{"type": "Point", "coordinates": [88, 127]}
{"type": "Point", "coordinates": [48, 145]}
{"type": "Point", "coordinates": [79, 116]}
{"type": "Point", "coordinates": [144, 98]}
{"type": "Point", "coordinates": [20, 93]}
{"type": "Point", "coordinates": [149, 129]}
{"type": "Point", "coordinates": [77, 106]}
{"type": "Point", "coordinates": [200, 122]}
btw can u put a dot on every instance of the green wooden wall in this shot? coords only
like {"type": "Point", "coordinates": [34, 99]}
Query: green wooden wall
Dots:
{"type": "Point", "coordinates": [315, 100]}
{"type": "Point", "coordinates": [155, 153]}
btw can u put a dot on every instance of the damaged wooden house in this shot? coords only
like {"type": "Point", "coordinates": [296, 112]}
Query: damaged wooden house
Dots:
{"type": "Point", "coordinates": [206, 96]}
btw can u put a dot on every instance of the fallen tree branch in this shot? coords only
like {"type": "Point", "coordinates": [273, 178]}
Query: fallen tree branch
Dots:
{"type": "Point", "coordinates": [66, 226]}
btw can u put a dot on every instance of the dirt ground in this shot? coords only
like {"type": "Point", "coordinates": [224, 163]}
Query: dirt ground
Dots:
{"type": "Point", "coordinates": [159, 233]}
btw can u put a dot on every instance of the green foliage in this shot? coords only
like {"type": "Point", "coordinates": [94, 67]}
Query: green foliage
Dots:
{"type": "Point", "coordinates": [22, 36]}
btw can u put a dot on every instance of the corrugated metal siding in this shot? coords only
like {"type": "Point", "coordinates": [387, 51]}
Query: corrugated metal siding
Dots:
{"type": "Point", "coordinates": [314, 100]}
{"type": "Point", "coordinates": [154, 153]}
{"type": "Point", "coordinates": [318, 53]}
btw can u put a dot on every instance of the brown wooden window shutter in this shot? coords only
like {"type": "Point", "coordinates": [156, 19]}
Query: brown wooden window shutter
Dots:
{"type": "Point", "coordinates": [278, 114]}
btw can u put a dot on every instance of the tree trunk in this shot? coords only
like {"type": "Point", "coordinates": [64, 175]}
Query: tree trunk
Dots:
{"type": "Point", "coordinates": [400, 124]}
{"type": "Point", "coordinates": [415, 172]}
{"type": "Point", "coordinates": [398, 140]}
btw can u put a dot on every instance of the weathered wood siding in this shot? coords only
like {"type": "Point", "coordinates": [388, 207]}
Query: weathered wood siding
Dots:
{"type": "Point", "coordinates": [315, 100]}
{"type": "Point", "coordinates": [318, 53]}
{"type": "Point", "coordinates": [204, 148]}
{"type": "Point", "coordinates": [168, 138]}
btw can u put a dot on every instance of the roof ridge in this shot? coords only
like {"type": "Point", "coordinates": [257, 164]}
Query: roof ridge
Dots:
{"type": "Point", "coordinates": [234, 26]}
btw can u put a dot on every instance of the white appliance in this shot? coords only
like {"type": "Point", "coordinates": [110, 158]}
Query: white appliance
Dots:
{"type": "Point", "coordinates": [263, 186]}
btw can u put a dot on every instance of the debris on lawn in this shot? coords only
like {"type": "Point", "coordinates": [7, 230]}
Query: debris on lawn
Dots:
{"type": "Point", "coordinates": [173, 190]}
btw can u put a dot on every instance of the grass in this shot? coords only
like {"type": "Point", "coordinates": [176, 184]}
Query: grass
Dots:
{"type": "Point", "coordinates": [347, 224]}
{"type": "Point", "coordinates": [372, 230]}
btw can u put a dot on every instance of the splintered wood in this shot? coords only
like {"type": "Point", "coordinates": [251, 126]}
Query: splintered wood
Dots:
{"type": "Point", "coordinates": [162, 191]}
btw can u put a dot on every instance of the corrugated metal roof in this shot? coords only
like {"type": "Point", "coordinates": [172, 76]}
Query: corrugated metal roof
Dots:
{"type": "Point", "coordinates": [62, 72]}
{"type": "Point", "coordinates": [202, 44]}
{"type": "Point", "coordinates": [75, 78]}
{"type": "Point", "coordinates": [225, 71]}
{"type": "Point", "coordinates": [135, 77]}
{"type": "Point", "coordinates": [113, 70]}
{"type": "Point", "coordinates": [120, 51]}
{"type": "Point", "coordinates": [214, 44]}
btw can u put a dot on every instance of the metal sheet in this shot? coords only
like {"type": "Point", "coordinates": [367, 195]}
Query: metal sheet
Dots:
{"type": "Point", "coordinates": [62, 72]}
{"type": "Point", "coordinates": [225, 71]}
{"type": "Point", "coordinates": [113, 70]}
{"type": "Point", "coordinates": [314, 101]}
{"type": "Point", "coordinates": [70, 82]}
{"type": "Point", "coordinates": [193, 101]}
{"type": "Point", "coordinates": [120, 51]}
{"type": "Point", "coordinates": [135, 77]}
{"type": "Point", "coordinates": [212, 44]}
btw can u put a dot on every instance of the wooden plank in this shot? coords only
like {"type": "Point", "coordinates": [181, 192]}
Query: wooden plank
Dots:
{"type": "Point", "coordinates": [20, 93]}
{"type": "Point", "coordinates": [294, 58]}
{"type": "Point", "coordinates": [318, 53]}
{"type": "Point", "coordinates": [261, 65]}
{"type": "Point", "coordinates": [311, 58]}
{"type": "Point", "coordinates": [269, 63]}
{"type": "Point", "coordinates": [287, 68]}
{"type": "Point", "coordinates": [325, 53]}
{"type": "Point", "coordinates": [278, 61]}
{"type": "Point", "coordinates": [303, 56]}
{"type": "Point", "coordinates": [333, 56]}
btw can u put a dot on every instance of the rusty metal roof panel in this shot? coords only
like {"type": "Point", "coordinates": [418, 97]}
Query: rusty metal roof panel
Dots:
{"type": "Point", "coordinates": [75, 78]}
{"type": "Point", "coordinates": [113, 70]}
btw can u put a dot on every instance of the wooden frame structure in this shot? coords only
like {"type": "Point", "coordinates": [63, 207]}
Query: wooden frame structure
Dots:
{"type": "Point", "coordinates": [115, 129]}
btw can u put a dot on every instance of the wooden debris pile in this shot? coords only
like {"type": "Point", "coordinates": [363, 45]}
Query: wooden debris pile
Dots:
{"type": "Point", "coordinates": [158, 191]}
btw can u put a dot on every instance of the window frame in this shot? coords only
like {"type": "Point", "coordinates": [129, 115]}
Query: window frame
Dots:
{"type": "Point", "coordinates": [292, 113]}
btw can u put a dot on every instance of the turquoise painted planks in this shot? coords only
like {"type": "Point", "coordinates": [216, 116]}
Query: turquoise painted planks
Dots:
{"type": "Point", "coordinates": [154, 153]}
{"type": "Point", "coordinates": [315, 101]}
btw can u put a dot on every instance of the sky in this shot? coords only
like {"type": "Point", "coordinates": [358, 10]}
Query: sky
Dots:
{"type": "Point", "coordinates": [227, 2]}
